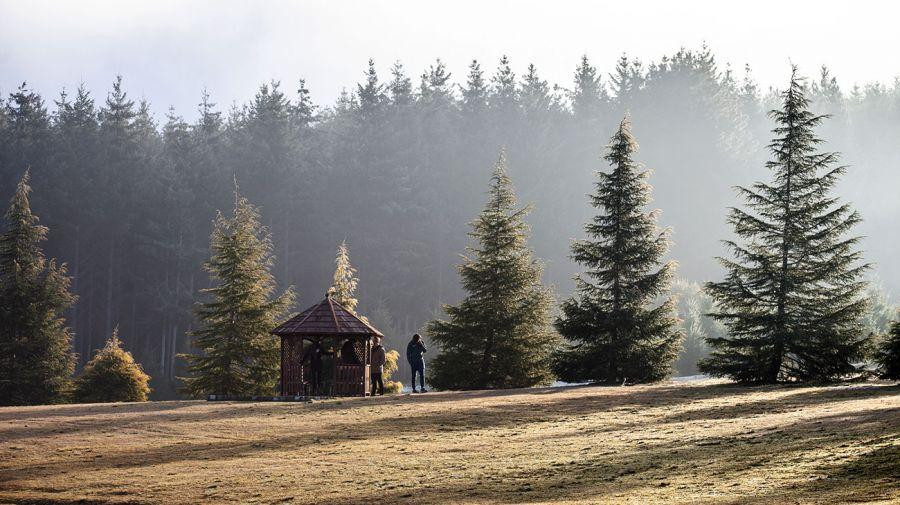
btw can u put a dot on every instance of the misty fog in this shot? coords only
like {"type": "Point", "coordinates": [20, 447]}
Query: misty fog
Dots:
{"type": "Point", "coordinates": [397, 165]}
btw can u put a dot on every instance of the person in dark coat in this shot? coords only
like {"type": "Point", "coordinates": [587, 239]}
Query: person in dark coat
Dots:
{"type": "Point", "coordinates": [314, 354]}
{"type": "Point", "coordinates": [348, 353]}
{"type": "Point", "coordinates": [414, 354]}
{"type": "Point", "coordinates": [378, 359]}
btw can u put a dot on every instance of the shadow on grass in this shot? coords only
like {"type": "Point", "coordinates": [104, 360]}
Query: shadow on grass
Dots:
{"type": "Point", "coordinates": [643, 466]}
{"type": "Point", "coordinates": [795, 398]}
{"type": "Point", "coordinates": [714, 459]}
{"type": "Point", "coordinates": [39, 422]}
{"type": "Point", "coordinates": [104, 418]}
{"type": "Point", "coordinates": [23, 414]}
{"type": "Point", "coordinates": [870, 477]}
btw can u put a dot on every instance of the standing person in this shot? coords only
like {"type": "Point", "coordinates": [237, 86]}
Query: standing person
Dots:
{"type": "Point", "coordinates": [314, 354]}
{"type": "Point", "coordinates": [414, 354]}
{"type": "Point", "coordinates": [348, 353]}
{"type": "Point", "coordinates": [378, 359]}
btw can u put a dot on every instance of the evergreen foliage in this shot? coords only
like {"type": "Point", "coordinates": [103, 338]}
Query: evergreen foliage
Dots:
{"type": "Point", "coordinates": [499, 336]}
{"type": "Point", "coordinates": [792, 299]}
{"type": "Point", "coordinates": [626, 81]}
{"type": "Point", "coordinates": [615, 333]}
{"type": "Point", "coordinates": [475, 93]}
{"type": "Point", "coordinates": [880, 312]}
{"type": "Point", "coordinates": [239, 356]}
{"type": "Point", "coordinates": [129, 199]}
{"type": "Point", "coordinates": [693, 307]}
{"type": "Point", "coordinates": [588, 96]}
{"type": "Point", "coordinates": [888, 356]}
{"type": "Point", "coordinates": [36, 360]}
{"type": "Point", "coordinates": [344, 283]}
{"type": "Point", "coordinates": [112, 375]}
{"type": "Point", "coordinates": [400, 87]}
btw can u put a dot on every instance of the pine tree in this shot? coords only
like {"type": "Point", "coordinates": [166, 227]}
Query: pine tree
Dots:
{"type": "Point", "coordinates": [474, 95]}
{"type": "Point", "coordinates": [499, 336]}
{"type": "Point", "coordinates": [78, 203]}
{"type": "Point", "coordinates": [36, 360]}
{"type": "Point", "coordinates": [343, 286]}
{"type": "Point", "coordinates": [239, 356]}
{"type": "Point", "coordinates": [400, 86]}
{"type": "Point", "coordinates": [616, 332]}
{"type": "Point", "coordinates": [28, 136]}
{"type": "Point", "coordinates": [119, 173]}
{"type": "Point", "coordinates": [535, 96]}
{"type": "Point", "coordinates": [372, 95]}
{"type": "Point", "coordinates": [694, 347]}
{"type": "Point", "coordinates": [303, 110]}
{"type": "Point", "coordinates": [626, 81]}
{"type": "Point", "coordinates": [504, 95]}
{"type": "Point", "coordinates": [589, 95]}
{"type": "Point", "coordinates": [792, 296]}
{"type": "Point", "coordinates": [888, 356]}
{"type": "Point", "coordinates": [112, 376]}
{"type": "Point", "coordinates": [693, 306]}
{"type": "Point", "coordinates": [434, 87]}
{"type": "Point", "coordinates": [827, 89]}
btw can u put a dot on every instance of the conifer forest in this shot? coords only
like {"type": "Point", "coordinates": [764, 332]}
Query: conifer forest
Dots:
{"type": "Point", "coordinates": [401, 163]}
{"type": "Point", "coordinates": [478, 253]}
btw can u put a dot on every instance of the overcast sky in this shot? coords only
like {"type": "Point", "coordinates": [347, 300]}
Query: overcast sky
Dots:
{"type": "Point", "coordinates": [168, 51]}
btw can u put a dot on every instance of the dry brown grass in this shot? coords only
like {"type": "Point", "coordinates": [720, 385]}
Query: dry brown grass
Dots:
{"type": "Point", "coordinates": [703, 442]}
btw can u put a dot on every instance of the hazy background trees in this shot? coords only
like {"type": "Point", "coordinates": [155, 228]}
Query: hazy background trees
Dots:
{"type": "Point", "coordinates": [397, 167]}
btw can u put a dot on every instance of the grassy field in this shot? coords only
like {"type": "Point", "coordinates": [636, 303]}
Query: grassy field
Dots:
{"type": "Point", "coordinates": [704, 442]}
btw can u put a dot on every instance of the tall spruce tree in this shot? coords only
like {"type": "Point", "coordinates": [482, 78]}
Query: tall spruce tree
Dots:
{"type": "Point", "coordinates": [626, 81]}
{"type": "Point", "coordinates": [400, 87]}
{"type": "Point", "coordinates": [474, 94]}
{"type": "Point", "coordinates": [792, 299]}
{"type": "Point", "coordinates": [372, 96]}
{"type": "Point", "coordinates": [239, 357]}
{"type": "Point", "coordinates": [616, 333]}
{"type": "Point", "coordinates": [589, 95]}
{"type": "Point", "coordinates": [28, 139]}
{"type": "Point", "coordinates": [500, 335]}
{"type": "Point", "coordinates": [343, 286]}
{"type": "Point", "coordinates": [36, 360]}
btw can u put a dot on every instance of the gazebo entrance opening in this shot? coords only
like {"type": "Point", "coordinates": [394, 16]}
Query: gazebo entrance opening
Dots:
{"type": "Point", "coordinates": [326, 350]}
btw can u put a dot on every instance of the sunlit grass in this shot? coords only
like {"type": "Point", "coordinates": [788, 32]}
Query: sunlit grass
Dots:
{"type": "Point", "coordinates": [674, 443]}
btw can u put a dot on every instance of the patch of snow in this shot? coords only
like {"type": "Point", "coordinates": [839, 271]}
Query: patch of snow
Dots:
{"type": "Point", "coordinates": [690, 378]}
{"type": "Point", "coordinates": [561, 384]}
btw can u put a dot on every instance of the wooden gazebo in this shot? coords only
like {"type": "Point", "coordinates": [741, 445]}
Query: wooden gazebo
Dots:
{"type": "Point", "coordinates": [341, 334]}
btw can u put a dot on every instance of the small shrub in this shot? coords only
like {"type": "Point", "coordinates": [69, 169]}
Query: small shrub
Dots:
{"type": "Point", "coordinates": [391, 360]}
{"type": "Point", "coordinates": [393, 387]}
{"type": "Point", "coordinates": [112, 376]}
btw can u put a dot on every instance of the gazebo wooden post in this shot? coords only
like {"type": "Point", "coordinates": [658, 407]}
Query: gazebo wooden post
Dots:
{"type": "Point", "coordinates": [281, 388]}
{"type": "Point", "coordinates": [334, 364]}
{"type": "Point", "coordinates": [367, 363]}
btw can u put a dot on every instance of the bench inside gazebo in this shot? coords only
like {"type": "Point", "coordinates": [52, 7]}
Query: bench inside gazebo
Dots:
{"type": "Point", "coordinates": [338, 333]}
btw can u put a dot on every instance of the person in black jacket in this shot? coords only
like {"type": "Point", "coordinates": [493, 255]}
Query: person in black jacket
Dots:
{"type": "Point", "coordinates": [377, 367]}
{"type": "Point", "coordinates": [348, 353]}
{"type": "Point", "coordinates": [414, 354]}
{"type": "Point", "coordinates": [314, 355]}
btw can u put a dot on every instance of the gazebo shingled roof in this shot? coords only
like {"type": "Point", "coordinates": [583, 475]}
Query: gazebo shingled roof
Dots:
{"type": "Point", "coordinates": [326, 318]}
